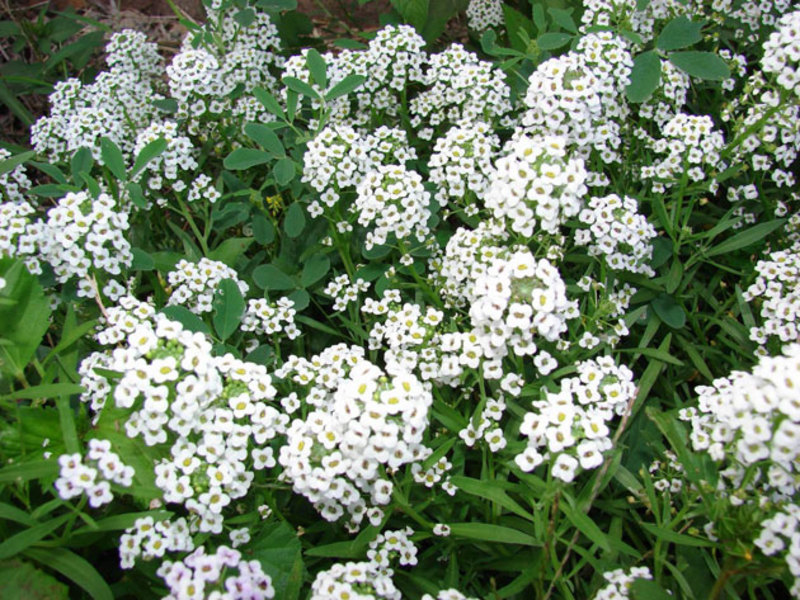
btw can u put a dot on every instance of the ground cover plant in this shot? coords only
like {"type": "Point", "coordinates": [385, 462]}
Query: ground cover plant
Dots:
{"type": "Point", "coordinates": [404, 318]}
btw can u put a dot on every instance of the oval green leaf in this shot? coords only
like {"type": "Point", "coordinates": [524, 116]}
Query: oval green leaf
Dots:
{"type": "Point", "coordinates": [703, 65]}
{"type": "Point", "coordinates": [228, 307]}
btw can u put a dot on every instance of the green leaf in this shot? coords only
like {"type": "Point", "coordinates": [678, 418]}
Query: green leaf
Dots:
{"type": "Point", "coordinates": [281, 556]}
{"type": "Point", "coordinates": [414, 12]}
{"type": "Point", "coordinates": [12, 513]}
{"type": "Point", "coordinates": [123, 521]}
{"type": "Point", "coordinates": [585, 525]}
{"type": "Point", "coordinates": [112, 158]}
{"type": "Point", "coordinates": [265, 137]}
{"type": "Point", "coordinates": [66, 417]}
{"type": "Point", "coordinates": [22, 540]}
{"type": "Point", "coordinates": [284, 171]}
{"type": "Point", "coordinates": [269, 102]}
{"type": "Point", "coordinates": [551, 41]}
{"type": "Point", "coordinates": [29, 469]}
{"type": "Point", "coordinates": [301, 299]}
{"type": "Point", "coordinates": [270, 277]}
{"type": "Point", "coordinates": [645, 77]}
{"type": "Point", "coordinates": [350, 549]}
{"type": "Point", "coordinates": [517, 25]}
{"type": "Point", "coordinates": [277, 5]}
{"type": "Point", "coordinates": [487, 532]}
{"type": "Point", "coordinates": [490, 491]}
{"type": "Point", "coordinates": [314, 269]}
{"type": "Point", "coordinates": [12, 162]}
{"type": "Point", "coordinates": [669, 311]}
{"type": "Point", "coordinates": [81, 162]}
{"type": "Point", "coordinates": [564, 18]}
{"type": "Point", "coordinates": [230, 250]}
{"type": "Point", "coordinates": [344, 87]}
{"type": "Point", "coordinates": [661, 355]}
{"type": "Point", "coordinates": [300, 86]}
{"type": "Point", "coordinates": [703, 65]}
{"type": "Point", "coordinates": [228, 307]}
{"type": "Point", "coordinates": [166, 105]}
{"type": "Point", "coordinates": [745, 238]}
{"type": "Point", "coordinates": [675, 537]}
{"type": "Point", "coordinates": [152, 150]}
{"type": "Point", "coordinates": [539, 20]}
{"type": "Point", "coordinates": [263, 229]}
{"type": "Point", "coordinates": [245, 17]}
{"type": "Point", "coordinates": [46, 390]}
{"type": "Point", "coordinates": [137, 195]}
{"type": "Point", "coordinates": [142, 261]}
{"type": "Point", "coordinates": [8, 98]}
{"type": "Point", "coordinates": [244, 158]}
{"type": "Point", "coordinates": [439, 13]}
{"type": "Point", "coordinates": [317, 67]}
{"type": "Point", "coordinates": [295, 220]}
{"type": "Point", "coordinates": [187, 318]}
{"type": "Point", "coordinates": [75, 568]}
{"type": "Point", "coordinates": [22, 581]}
{"type": "Point", "coordinates": [679, 33]}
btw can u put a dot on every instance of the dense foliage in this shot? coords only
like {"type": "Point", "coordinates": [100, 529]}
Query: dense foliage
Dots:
{"type": "Point", "coordinates": [405, 319]}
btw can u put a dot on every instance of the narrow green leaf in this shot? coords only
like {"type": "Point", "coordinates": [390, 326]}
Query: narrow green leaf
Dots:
{"type": "Point", "coordinates": [645, 589]}
{"type": "Point", "coordinates": [112, 158]}
{"type": "Point", "coordinates": [270, 277]}
{"type": "Point", "coordinates": [317, 67]}
{"type": "Point", "coordinates": [15, 106]}
{"type": "Point", "coordinates": [518, 27]}
{"type": "Point", "coordinates": [680, 32]}
{"type": "Point", "coordinates": [553, 40]}
{"type": "Point", "coordinates": [120, 522]}
{"type": "Point", "coordinates": [703, 65]}
{"type": "Point", "coordinates": [284, 171]}
{"type": "Point", "coordinates": [269, 102]}
{"type": "Point", "coordinates": [564, 18]}
{"type": "Point", "coordinates": [228, 307]}
{"type": "Point", "coordinates": [31, 469]}
{"type": "Point", "coordinates": [11, 163]}
{"type": "Point", "coordinates": [46, 390]}
{"type": "Point", "coordinates": [12, 513]}
{"type": "Point", "coordinates": [645, 77]}
{"type": "Point", "coordinates": [487, 532]}
{"type": "Point", "coordinates": [350, 549]}
{"type": "Point", "coordinates": [654, 353]}
{"type": "Point", "coordinates": [344, 87]}
{"type": "Point", "coordinates": [697, 360]}
{"type": "Point", "coordinates": [314, 269]}
{"type": "Point", "coordinates": [585, 525]}
{"type": "Point", "coordinates": [265, 137]}
{"type": "Point", "coordinates": [675, 537]}
{"type": "Point", "coordinates": [244, 158]}
{"type": "Point", "coordinates": [22, 540]}
{"type": "Point", "coordinates": [539, 20]}
{"type": "Point", "coordinates": [66, 417]}
{"type": "Point", "coordinates": [314, 324]}
{"type": "Point", "coordinates": [745, 238]}
{"type": "Point", "coordinates": [295, 220]}
{"type": "Point", "coordinates": [300, 86]}
{"type": "Point", "coordinates": [152, 150]}
{"type": "Point", "coordinates": [277, 5]}
{"type": "Point", "coordinates": [489, 491]}
{"type": "Point", "coordinates": [75, 568]}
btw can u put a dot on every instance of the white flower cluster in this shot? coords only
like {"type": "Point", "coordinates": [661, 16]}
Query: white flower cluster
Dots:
{"type": "Point", "coordinates": [619, 583]}
{"type": "Point", "coordinates": [571, 426]}
{"type": "Point", "coordinates": [203, 78]}
{"type": "Point", "coordinates": [209, 413]}
{"type": "Point", "coordinates": [536, 186]}
{"type": "Point", "coordinates": [460, 88]}
{"type": "Point", "coordinates": [618, 233]}
{"type": "Point", "coordinates": [339, 158]}
{"type": "Point", "coordinates": [393, 60]}
{"type": "Point", "coordinates": [195, 283]}
{"type": "Point", "coordinates": [356, 580]}
{"type": "Point", "coordinates": [518, 301]}
{"type": "Point", "coordinates": [19, 237]}
{"type": "Point", "coordinates": [479, 426]}
{"type": "Point", "coordinates": [778, 288]}
{"type": "Point", "coordinates": [448, 594]}
{"type": "Point", "coordinates": [116, 105]}
{"type": "Point", "coordinates": [224, 575]}
{"type": "Point", "coordinates": [393, 545]}
{"type": "Point", "coordinates": [344, 291]}
{"type": "Point", "coordinates": [177, 157]}
{"type": "Point", "coordinates": [753, 15]}
{"type": "Point", "coordinates": [580, 96]}
{"type": "Point", "coordinates": [781, 534]}
{"type": "Point", "coordinates": [151, 539]}
{"type": "Point", "coordinates": [690, 148]}
{"type": "Point", "coordinates": [461, 164]}
{"type": "Point", "coordinates": [392, 201]}
{"type": "Point", "coordinates": [782, 53]}
{"type": "Point", "coordinates": [270, 318]}
{"type": "Point", "coordinates": [750, 422]}
{"type": "Point", "coordinates": [93, 478]}
{"type": "Point", "coordinates": [15, 183]}
{"type": "Point", "coordinates": [603, 311]}
{"type": "Point", "coordinates": [484, 14]}
{"type": "Point", "coordinates": [84, 236]}
{"type": "Point", "coordinates": [360, 424]}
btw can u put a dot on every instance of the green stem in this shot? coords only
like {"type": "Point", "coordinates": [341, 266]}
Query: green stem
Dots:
{"type": "Point", "coordinates": [186, 214]}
